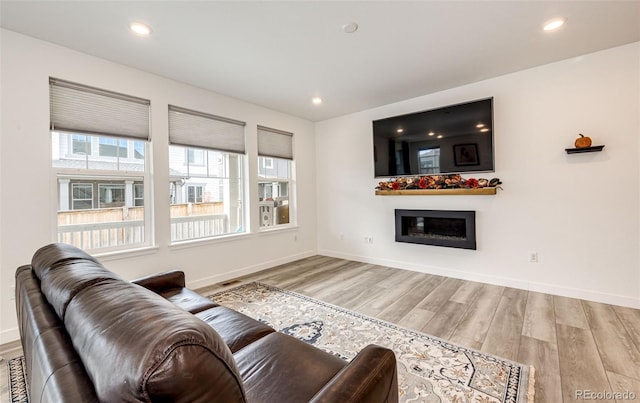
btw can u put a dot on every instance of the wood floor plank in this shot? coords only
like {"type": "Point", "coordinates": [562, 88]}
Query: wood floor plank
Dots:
{"type": "Point", "coordinates": [543, 356]}
{"type": "Point", "coordinates": [373, 305]}
{"type": "Point", "coordinates": [539, 318]}
{"type": "Point", "coordinates": [580, 364]}
{"type": "Point", "coordinates": [467, 292]}
{"type": "Point", "coordinates": [503, 336]}
{"type": "Point", "coordinates": [440, 295]}
{"type": "Point", "coordinates": [392, 277]}
{"type": "Point", "coordinates": [398, 309]}
{"type": "Point", "coordinates": [625, 386]}
{"type": "Point", "coordinates": [630, 319]}
{"type": "Point", "coordinates": [569, 312]}
{"type": "Point", "coordinates": [341, 276]}
{"type": "Point", "coordinates": [445, 320]}
{"type": "Point", "coordinates": [474, 325]}
{"type": "Point", "coordinates": [348, 293]}
{"type": "Point", "coordinates": [416, 319]}
{"type": "Point", "coordinates": [618, 351]}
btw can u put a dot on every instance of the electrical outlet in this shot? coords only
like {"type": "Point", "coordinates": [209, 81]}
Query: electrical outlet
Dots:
{"type": "Point", "coordinates": [342, 237]}
{"type": "Point", "coordinates": [12, 292]}
{"type": "Point", "coordinates": [533, 257]}
{"type": "Point", "coordinates": [368, 239]}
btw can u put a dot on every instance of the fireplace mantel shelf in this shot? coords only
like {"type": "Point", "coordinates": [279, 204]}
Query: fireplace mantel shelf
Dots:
{"type": "Point", "coordinates": [437, 192]}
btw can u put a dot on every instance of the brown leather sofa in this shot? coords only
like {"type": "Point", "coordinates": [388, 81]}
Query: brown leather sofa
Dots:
{"type": "Point", "coordinates": [90, 336]}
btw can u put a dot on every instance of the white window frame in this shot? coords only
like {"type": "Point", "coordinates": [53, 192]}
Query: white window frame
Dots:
{"type": "Point", "coordinates": [213, 134]}
{"type": "Point", "coordinates": [268, 208]}
{"type": "Point", "coordinates": [274, 147]}
{"type": "Point", "coordinates": [93, 112]}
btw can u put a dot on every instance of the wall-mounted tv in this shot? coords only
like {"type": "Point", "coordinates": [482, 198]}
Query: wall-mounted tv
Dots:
{"type": "Point", "coordinates": [452, 139]}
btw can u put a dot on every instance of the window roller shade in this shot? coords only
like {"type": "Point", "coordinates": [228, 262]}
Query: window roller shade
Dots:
{"type": "Point", "coordinates": [196, 129]}
{"type": "Point", "coordinates": [275, 143]}
{"type": "Point", "coordinates": [81, 109]}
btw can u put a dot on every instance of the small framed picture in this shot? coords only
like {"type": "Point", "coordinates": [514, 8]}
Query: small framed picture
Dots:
{"type": "Point", "coordinates": [465, 154]}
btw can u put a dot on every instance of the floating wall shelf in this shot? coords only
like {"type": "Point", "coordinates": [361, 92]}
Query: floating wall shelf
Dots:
{"type": "Point", "coordinates": [593, 149]}
{"type": "Point", "coordinates": [436, 192]}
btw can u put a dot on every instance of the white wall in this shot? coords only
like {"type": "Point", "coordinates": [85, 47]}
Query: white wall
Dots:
{"type": "Point", "coordinates": [579, 212]}
{"type": "Point", "coordinates": [29, 191]}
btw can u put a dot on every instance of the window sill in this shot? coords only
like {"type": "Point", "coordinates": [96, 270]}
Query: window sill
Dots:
{"type": "Point", "coordinates": [125, 254]}
{"type": "Point", "coordinates": [191, 243]}
{"type": "Point", "coordinates": [276, 229]}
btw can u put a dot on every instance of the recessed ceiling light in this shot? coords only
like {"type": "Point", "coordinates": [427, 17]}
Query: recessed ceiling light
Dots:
{"type": "Point", "coordinates": [140, 28]}
{"type": "Point", "coordinates": [480, 125]}
{"type": "Point", "coordinates": [431, 133]}
{"type": "Point", "coordinates": [440, 136]}
{"type": "Point", "coordinates": [316, 100]}
{"type": "Point", "coordinates": [400, 130]}
{"type": "Point", "coordinates": [554, 24]}
{"type": "Point", "coordinates": [484, 130]}
{"type": "Point", "coordinates": [350, 28]}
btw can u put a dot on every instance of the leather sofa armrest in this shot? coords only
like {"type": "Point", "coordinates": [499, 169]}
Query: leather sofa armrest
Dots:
{"type": "Point", "coordinates": [370, 377]}
{"type": "Point", "coordinates": [162, 281]}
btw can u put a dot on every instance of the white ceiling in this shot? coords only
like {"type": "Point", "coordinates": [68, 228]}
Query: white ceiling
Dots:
{"type": "Point", "coordinates": [281, 54]}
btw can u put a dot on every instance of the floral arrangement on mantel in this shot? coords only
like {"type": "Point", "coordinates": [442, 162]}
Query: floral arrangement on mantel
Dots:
{"type": "Point", "coordinates": [454, 181]}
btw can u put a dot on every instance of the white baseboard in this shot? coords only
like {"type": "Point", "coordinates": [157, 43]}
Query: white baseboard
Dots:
{"type": "Point", "coordinates": [588, 295]}
{"type": "Point", "coordinates": [9, 335]}
{"type": "Point", "coordinates": [219, 278]}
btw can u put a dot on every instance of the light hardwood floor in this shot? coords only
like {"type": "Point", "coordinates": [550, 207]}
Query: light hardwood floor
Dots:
{"type": "Point", "coordinates": [573, 344]}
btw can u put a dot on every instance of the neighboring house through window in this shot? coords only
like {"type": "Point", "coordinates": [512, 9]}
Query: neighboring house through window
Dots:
{"type": "Point", "coordinates": [275, 165]}
{"type": "Point", "coordinates": [206, 173]}
{"type": "Point", "coordinates": [429, 160]}
{"type": "Point", "coordinates": [98, 143]}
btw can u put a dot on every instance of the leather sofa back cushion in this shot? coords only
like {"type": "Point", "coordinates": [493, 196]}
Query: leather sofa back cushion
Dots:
{"type": "Point", "coordinates": [55, 254]}
{"type": "Point", "coordinates": [63, 271]}
{"type": "Point", "coordinates": [137, 346]}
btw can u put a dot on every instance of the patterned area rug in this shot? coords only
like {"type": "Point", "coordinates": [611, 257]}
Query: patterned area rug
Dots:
{"type": "Point", "coordinates": [18, 391]}
{"type": "Point", "coordinates": [429, 369]}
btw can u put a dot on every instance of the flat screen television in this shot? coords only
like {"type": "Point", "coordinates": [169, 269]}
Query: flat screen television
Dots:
{"type": "Point", "coordinates": [452, 139]}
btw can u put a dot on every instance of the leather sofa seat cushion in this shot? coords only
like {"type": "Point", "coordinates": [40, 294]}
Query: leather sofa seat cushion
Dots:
{"type": "Point", "coordinates": [171, 285]}
{"type": "Point", "coordinates": [137, 346]}
{"type": "Point", "coordinates": [235, 328]}
{"type": "Point", "coordinates": [281, 368]}
{"type": "Point", "coordinates": [188, 300]}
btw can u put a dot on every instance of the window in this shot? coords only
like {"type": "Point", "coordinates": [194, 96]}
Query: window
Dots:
{"type": "Point", "coordinates": [111, 195]}
{"type": "Point", "coordinates": [194, 194]}
{"type": "Point", "coordinates": [429, 160]}
{"type": "Point", "coordinates": [275, 159]}
{"type": "Point", "coordinates": [195, 156]}
{"type": "Point", "coordinates": [112, 147]}
{"type": "Point", "coordinates": [80, 145]}
{"type": "Point", "coordinates": [82, 196]}
{"type": "Point", "coordinates": [206, 173]}
{"type": "Point", "coordinates": [138, 195]}
{"type": "Point", "coordinates": [267, 163]}
{"type": "Point", "coordinates": [98, 143]}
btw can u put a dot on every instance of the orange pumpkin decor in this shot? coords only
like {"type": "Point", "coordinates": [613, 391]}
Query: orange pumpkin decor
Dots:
{"type": "Point", "coordinates": [583, 142]}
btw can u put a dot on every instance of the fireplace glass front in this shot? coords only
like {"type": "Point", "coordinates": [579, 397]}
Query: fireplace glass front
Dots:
{"type": "Point", "coordinates": [448, 228]}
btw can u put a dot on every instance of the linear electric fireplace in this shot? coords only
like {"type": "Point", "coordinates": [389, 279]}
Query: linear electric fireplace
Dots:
{"type": "Point", "coordinates": [454, 229]}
